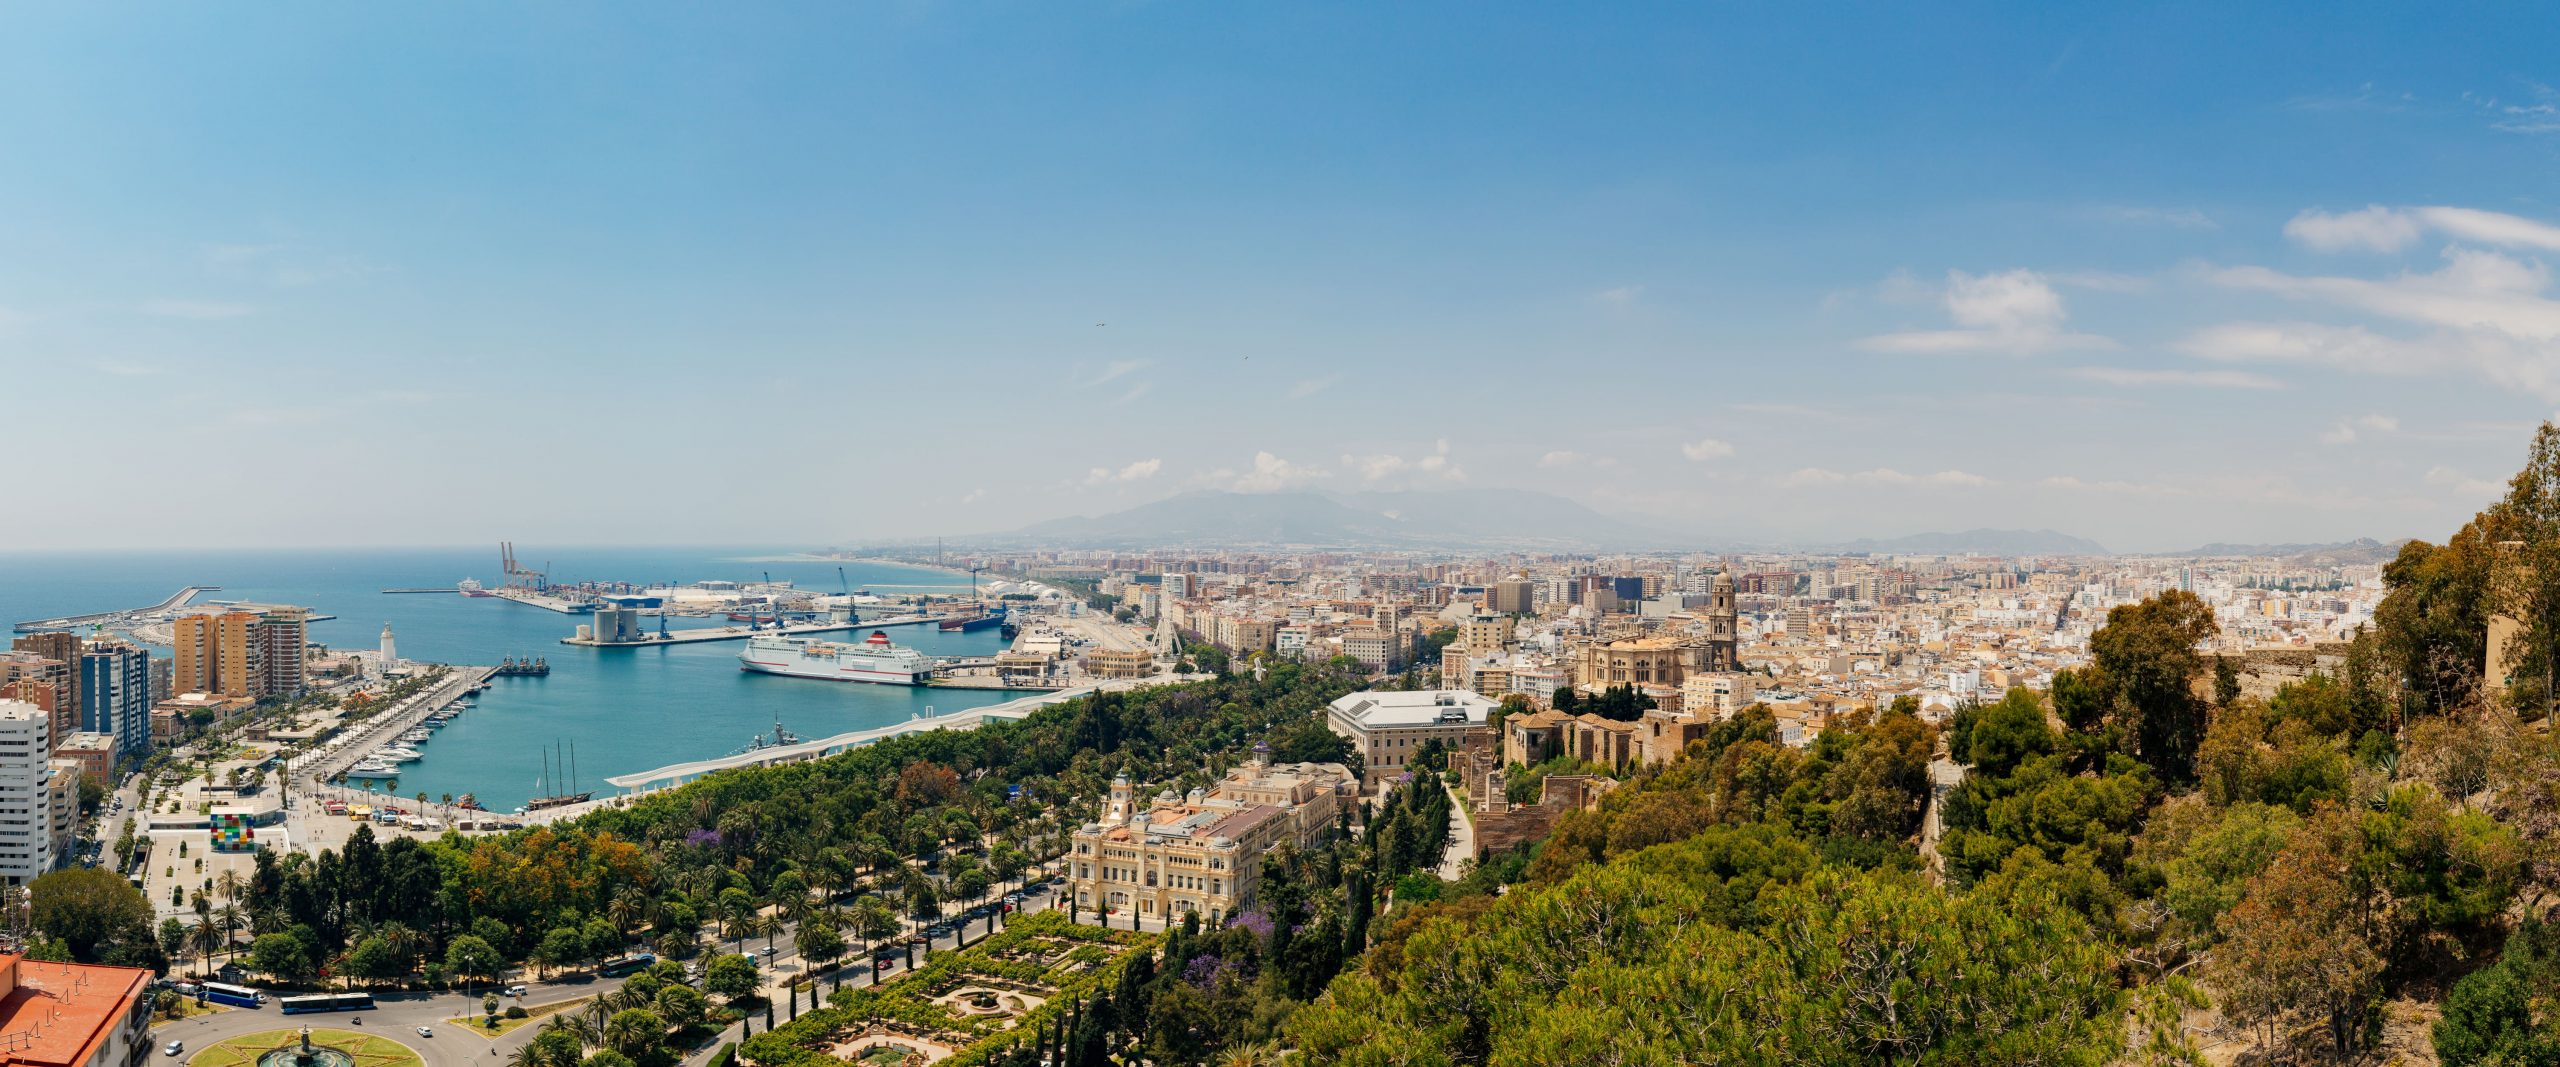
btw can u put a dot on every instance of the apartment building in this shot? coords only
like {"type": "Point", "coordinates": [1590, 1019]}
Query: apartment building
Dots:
{"type": "Point", "coordinates": [115, 694]}
{"type": "Point", "coordinates": [26, 811]}
{"type": "Point", "coordinates": [73, 1014]}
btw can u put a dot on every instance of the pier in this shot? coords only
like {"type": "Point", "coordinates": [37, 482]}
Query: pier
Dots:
{"type": "Point", "coordinates": [439, 589]}
{"type": "Point", "coordinates": [176, 600]}
{"type": "Point", "coordinates": [343, 751]}
{"type": "Point", "coordinates": [741, 633]}
{"type": "Point", "coordinates": [545, 601]}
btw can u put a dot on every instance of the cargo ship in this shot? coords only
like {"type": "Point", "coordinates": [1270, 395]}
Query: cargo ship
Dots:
{"type": "Point", "coordinates": [874, 660]}
{"type": "Point", "coordinates": [974, 617]}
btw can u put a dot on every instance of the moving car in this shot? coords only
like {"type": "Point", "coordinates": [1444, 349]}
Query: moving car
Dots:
{"type": "Point", "coordinates": [175, 1047]}
{"type": "Point", "coordinates": [426, 1031]}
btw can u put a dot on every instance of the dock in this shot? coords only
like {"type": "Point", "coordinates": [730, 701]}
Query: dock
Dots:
{"type": "Point", "coordinates": [741, 633]}
{"type": "Point", "coordinates": [545, 601]}
{"type": "Point", "coordinates": [176, 600]}
{"type": "Point", "coordinates": [344, 750]}
{"type": "Point", "coordinates": [439, 589]}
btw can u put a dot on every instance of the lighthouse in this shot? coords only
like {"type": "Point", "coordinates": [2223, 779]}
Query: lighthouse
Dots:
{"type": "Point", "coordinates": [390, 655]}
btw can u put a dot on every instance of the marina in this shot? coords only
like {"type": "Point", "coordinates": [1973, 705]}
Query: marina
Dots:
{"type": "Point", "coordinates": [645, 707]}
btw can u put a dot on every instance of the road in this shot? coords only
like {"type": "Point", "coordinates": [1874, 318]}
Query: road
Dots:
{"type": "Point", "coordinates": [397, 1018]}
{"type": "Point", "coordinates": [1462, 839]}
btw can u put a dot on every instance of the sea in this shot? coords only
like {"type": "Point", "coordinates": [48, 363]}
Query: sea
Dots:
{"type": "Point", "coordinates": [603, 711]}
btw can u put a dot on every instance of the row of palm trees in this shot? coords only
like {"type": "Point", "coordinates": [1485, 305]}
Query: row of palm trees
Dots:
{"type": "Point", "coordinates": [620, 1020]}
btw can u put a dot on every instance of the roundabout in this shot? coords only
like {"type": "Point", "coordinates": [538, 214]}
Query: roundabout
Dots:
{"type": "Point", "coordinates": [306, 1047]}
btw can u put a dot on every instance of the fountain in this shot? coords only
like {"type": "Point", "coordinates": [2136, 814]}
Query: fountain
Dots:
{"type": "Point", "coordinates": [306, 1055]}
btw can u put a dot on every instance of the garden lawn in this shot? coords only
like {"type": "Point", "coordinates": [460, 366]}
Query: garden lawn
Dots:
{"type": "Point", "coordinates": [532, 1014]}
{"type": "Point", "coordinates": [368, 1050]}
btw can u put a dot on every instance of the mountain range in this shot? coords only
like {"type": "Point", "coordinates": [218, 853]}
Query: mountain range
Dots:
{"type": "Point", "coordinates": [1978, 543]}
{"type": "Point", "coordinates": [2360, 550]}
{"type": "Point", "coordinates": [1483, 518]}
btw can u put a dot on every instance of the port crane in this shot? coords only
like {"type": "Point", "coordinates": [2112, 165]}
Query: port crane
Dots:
{"type": "Point", "coordinates": [517, 574]}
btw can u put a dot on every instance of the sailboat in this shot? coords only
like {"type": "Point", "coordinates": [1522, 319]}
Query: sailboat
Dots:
{"type": "Point", "coordinates": [562, 799]}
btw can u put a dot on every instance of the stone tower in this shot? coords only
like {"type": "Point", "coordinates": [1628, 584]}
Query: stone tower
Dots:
{"type": "Point", "coordinates": [1721, 647]}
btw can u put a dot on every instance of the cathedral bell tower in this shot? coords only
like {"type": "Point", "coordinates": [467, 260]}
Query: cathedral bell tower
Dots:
{"type": "Point", "coordinates": [1721, 645]}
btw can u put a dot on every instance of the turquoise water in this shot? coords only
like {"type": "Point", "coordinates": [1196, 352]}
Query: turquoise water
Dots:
{"type": "Point", "coordinates": [624, 709]}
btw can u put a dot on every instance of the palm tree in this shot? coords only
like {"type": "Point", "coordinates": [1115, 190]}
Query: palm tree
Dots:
{"type": "Point", "coordinates": [595, 1014]}
{"type": "Point", "coordinates": [526, 1055]}
{"type": "Point", "coordinates": [1255, 1054]}
{"type": "Point", "coordinates": [578, 1024]}
{"type": "Point", "coordinates": [626, 910]}
{"type": "Point", "coordinates": [232, 921]}
{"type": "Point", "coordinates": [769, 926]}
{"type": "Point", "coordinates": [230, 884]}
{"type": "Point", "coordinates": [207, 939]}
{"type": "Point", "coordinates": [631, 1034]}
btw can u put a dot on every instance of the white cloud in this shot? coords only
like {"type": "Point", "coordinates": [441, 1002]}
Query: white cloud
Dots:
{"type": "Point", "coordinates": [973, 496]}
{"type": "Point", "coordinates": [1432, 466]}
{"type": "Point", "coordinates": [2462, 484]}
{"type": "Point", "coordinates": [1136, 472]}
{"type": "Point", "coordinates": [2540, 115]}
{"type": "Point", "coordinates": [2112, 487]}
{"type": "Point", "coordinates": [2488, 313]}
{"type": "Point", "coordinates": [1375, 468]}
{"type": "Point", "coordinates": [1114, 370]}
{"type": "Point", "coordinates": [1624, 296]}
{"type": "Point", "coordinates": [1706, 448]}
{"type": "Point", "coordinates": [204, 310]}
{"type": "Point", "coordinates": [1271, 473]}
{"type": "Point", "coordinates": [125, 370]}
{"type": "Point", "coordinates": [1312, 386]}
{"type": "Point", "coordinates": [2374, 229]}
{"type": "Point", "coordinates": [2387, 229]}
{"type": "Point", "coordinates": [1559, 460]}
{"type": "Point", "coordinates": [1135, 392]}
{"type": "Point", "coordinates": [2491, 227]}
{"type": "Point", "coordinates": [1812, 476]}
{"type": "Point", "coordinates": [2013, 312]}
{"type": "Point", "coordinates": [2206, 379]}
{"type": "Point", "coordinates": [2346, 431]}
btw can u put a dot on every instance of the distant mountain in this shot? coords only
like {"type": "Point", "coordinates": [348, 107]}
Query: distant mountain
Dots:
{"type": "Point", "coordinates": [1979, 543]}
{"type": "Point", "coordinates": [1442, 518]}
{"type": "Point", "coordinates": [2360, 550]}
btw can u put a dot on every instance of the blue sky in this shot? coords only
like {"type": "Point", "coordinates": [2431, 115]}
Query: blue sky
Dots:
{"type": "Point", "coordinates": [700, 273]}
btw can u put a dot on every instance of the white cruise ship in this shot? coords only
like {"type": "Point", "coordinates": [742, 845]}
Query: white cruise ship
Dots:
{"type": "Point", "coordinates": [874, 660]}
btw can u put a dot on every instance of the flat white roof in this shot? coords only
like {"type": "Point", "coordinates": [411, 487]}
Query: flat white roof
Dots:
{"type": "Point", "coordinates": [1383, 709]}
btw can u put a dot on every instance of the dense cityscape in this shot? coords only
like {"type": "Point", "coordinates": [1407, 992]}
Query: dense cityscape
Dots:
{"type": "Point", "coordinates": [1279, 535]}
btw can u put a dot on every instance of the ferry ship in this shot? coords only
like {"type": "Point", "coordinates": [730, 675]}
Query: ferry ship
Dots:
{"type": "Point", "coordinates": [874, 660]}
{"type": "Point", "coordinates": [472, 587]}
